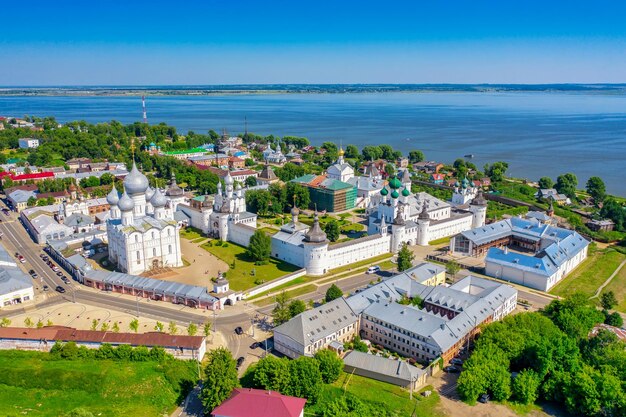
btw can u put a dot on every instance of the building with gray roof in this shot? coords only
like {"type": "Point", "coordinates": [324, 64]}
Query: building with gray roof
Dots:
{"type": "Point", "coordinates": [15, 286]}
{"type": "Point", "coordinates": [315, 329]}
{"type": "Point", "coordinates": [524, 251]}
{"type": "Point", "coordinates": [392, 371]}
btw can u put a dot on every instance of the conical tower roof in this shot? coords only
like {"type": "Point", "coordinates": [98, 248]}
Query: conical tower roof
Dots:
{"type": "Point", "coordinates": [315, 234]}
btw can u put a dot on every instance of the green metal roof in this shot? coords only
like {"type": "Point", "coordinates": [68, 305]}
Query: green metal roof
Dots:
{"type": "Point", "coordinates": [305, 179]}
{"type": "Point", "coordinates": [194, 150]}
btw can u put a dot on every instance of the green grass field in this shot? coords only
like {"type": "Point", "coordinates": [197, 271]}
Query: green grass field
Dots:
{"type": "Point", "coordinates": [290, 294]}
{"type": "Point", "coordinates": [240, 277]}
{"type": "Point", "coordinates": [380, 394]}
{"type": "Point", "coordinates": [34, 384]}
{"type": "Point", "coordinates": [191, 233]}
{"type": "Point", "coordinates": [590, 274]}
{"type": "Point", "coordinates": [618, 286]}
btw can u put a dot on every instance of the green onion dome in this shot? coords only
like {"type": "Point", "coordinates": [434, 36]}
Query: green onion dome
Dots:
{"type": "Point", "coordinates": [406, 192]}
{"type": "Point", "coordinates": [384, 191]}
{"type": "Point", "coordinates": [395, 183]}
{"type": "Point", "coordinates": [394, 194]}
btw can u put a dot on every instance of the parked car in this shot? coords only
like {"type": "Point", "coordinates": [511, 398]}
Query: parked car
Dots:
{"type": "Point", "coordinates": [22, 260]}
{"type": "Point", "coordinates": [32, 272]}
{"type": "Point", "coordinates": [452, 369]}
{"type": "Point", "coordinates": [45, 288]}
{"type": "Point", "coordinates": [456, 361]}
{"type": "Point", "coordinates": [373, 269]}
{"type": "Point", "coordinates": [255, 345]}
{"type": "Point", "coordinates": [238, 330]}
{"type": "Point", "coordinates": [60, 289]}
{"type": "Point", "coordinates": [484, 398]}
{"type": "Point", "coordinates": [240, 361]}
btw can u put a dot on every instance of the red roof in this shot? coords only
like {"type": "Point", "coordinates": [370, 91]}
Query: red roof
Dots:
{"type": "Point", "coordinates": [437, 176]}
{"type": "Point", "coordinates": [66, 334]}
{"type": "Point", "coordinates": [23, 177]}
{"type": "Point", "coordinates": [247, 402]}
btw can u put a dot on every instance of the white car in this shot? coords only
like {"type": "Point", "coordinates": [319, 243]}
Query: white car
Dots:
{"type": "Point", "coordinates": [373, 269]}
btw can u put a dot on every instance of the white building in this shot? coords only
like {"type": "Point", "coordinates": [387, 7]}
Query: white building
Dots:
{"type": "Point", "coordinates": [464, 192]}
{"type": "Point", "coordinates": [340, 170]}
{"type": "Point", "coordinates": [524, 251]}
{"type": "Point", "coordinates": [15, 286]}
{"type": "Point", "coordinates": [141, 231]}
{"type": "Point", "coordinates": [26, 143]}
{"type": "Point", "coordinates": [416, 219]}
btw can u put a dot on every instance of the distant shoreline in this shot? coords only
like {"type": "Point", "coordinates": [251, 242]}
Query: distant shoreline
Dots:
{"type": "Point", "coordinates": [256, 89]}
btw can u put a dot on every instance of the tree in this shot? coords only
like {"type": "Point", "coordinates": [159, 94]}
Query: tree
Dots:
{"type": "Point", "coordinates": [94, 324]}
{"type": "Point", "coordinates": [566, 184]}
{"type": "Point", "coordinates": [39, 324]}
{"type": "Point", "coordinates": [545, 183]}
{"type": "Point", "coordinates": [608, 300]}
{"type": "Point", "coordinates": [330, 365]}
{"type": "Point", "coordinates": [296, 307]}
{"type": "Point", "coordinates": [352, 151]}
{"type": "Point", "coordinates": [280, 313]}
{"type": "Point", "coordinates": [453, 268]}
{"type": "Point", "coordinates": [172, 328]}
{"type": "Point", "coordinates": [525, 386]}
{"type": "Point", "coordinates": [159, 326]}
{"type": "Point", "coordinates": [614, 319]}
{"type": "Point", "coordinates": [416, 156]}
{"type": "Point", "coordinates": [5, 322]}
{"type": "Point", "coordinates": [220, 378]}
{"type": "Point", "coordinates": [298, 194]}
{"type": "Point", "coordinates": [371, 153]}
{"type": "Point", "coordinates": [333, 292]}
{"type": "Point", "coordinates": [250, 181]}
{"type": "Point", "coordinates": [116, 327]}
{"type": "Point", "coordinates": [596, 189]}
{"type": "Point", "coordinates": [390, 169]}
{"type": "Point", "coordinates": [192, 329]}
{"type": "Point", "coordinates": [104, 327]}
{"type": "Point", "coordinates": [405, 258]}
{"type": "Point", "coordinates": [271, 373]}
{"type": "Point", "coordinates": [134, 325]}
{"type": "Point", "coordinates": [332, 230]}
{"type": "Point", "coordinates": [206, 329]}
{"type": "Point", "coordinates": [496, 171]}
{"type": "Point", "coordinates": [32, 201]}
{"type": "Point", "coordinates": [260, 246]}
{"type": "Point", "coordinates": [305, 379]}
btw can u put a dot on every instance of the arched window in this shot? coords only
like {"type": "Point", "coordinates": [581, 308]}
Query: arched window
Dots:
{"type": "Point", "coordinates": [170, 248]}
{"type": "Point", "coordinates": [138, 256]}
{"type": "Point", "coordinates": [153, 251]}
{"type": "Point", "coordinates": [153, 235]}
{"type": "Point", "coordinates": [136, 238]}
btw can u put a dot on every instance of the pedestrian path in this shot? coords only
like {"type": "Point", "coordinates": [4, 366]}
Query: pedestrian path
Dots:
{"type": "Point", "coordinates": [608, 280]}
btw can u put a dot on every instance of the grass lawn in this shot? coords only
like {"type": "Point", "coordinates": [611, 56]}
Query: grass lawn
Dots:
{"type": "Point", "coordinates": [443, 240]}
{"type": "Point", "coordinates": [379, 394]}
{"type": "Point", "coordinates": [290, 294]}
{"type": "Point", "coordinates": [298, 281]}
{"type": "Point", "coordinates": [590, 274]}
{"type": "Point", "coordinates": [191, 233]}
{"type": "Point", "coordinates": [33, 384]}
{"type": "Point", "coordinates": [618, 286]}
{"type": "Point", "coordinates": [240, 277]}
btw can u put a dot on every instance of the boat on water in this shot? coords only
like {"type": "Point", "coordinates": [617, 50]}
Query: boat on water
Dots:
{"type": "Point", "coordinates": [469, 155]}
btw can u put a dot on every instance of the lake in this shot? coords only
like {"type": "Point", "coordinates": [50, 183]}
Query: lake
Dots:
{"type": "Point", "coordinates": [537, 133]}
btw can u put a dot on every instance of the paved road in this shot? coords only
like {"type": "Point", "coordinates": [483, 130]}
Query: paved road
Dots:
{"type": "Point", "coordinates": [16, 239]}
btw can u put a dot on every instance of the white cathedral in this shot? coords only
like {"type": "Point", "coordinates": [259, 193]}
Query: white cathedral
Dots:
{"type": "Point", "coordinates": [141, 229]}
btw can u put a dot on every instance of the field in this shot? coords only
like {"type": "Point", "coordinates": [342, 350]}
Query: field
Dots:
{"type": "Point", "coordinates": [380, 394]}
{"type": "Point", "coordinates": [190, 233]}
{"type": "Point", "coordinates": [590, 274]}
{"type": "Point", "coordinates": [34, 384]}
{"type": "Point", "coordinates": [240, 276]}
{"type": "Point", "coordinates": [618, 286]}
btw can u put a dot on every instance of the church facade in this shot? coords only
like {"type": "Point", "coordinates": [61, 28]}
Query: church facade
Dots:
{"type": "Point", "coordinates": [141, 229]}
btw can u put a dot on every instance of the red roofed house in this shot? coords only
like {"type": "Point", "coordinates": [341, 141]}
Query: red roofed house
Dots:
{"type": "Point", "coordinates": [437, 178]}
{"type": "Point", "coordinates": [247, 402]}
{"type": "Point", "coordinates": [234, 162]}
{"type": "Point", "coordinates": [39, 176]}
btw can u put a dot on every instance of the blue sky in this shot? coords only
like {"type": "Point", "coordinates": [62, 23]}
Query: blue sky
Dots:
{"type": "Point", "coordinates": [233, 42]}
